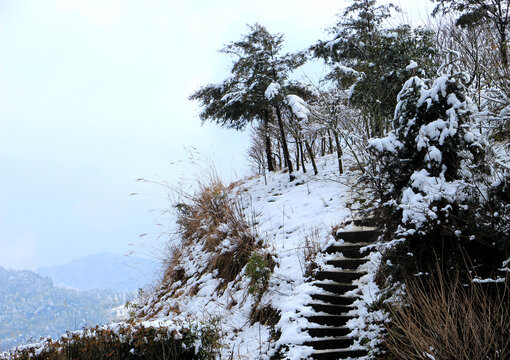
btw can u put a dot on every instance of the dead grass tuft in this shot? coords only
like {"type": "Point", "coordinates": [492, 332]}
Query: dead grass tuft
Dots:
{"type": "Point", "coordinates": [309, 249]}
{"type": "Point", "coordinates": [214, 218]}
{"type": "Point", "coordinates": [173, 270]}
{"type": "Point", "coordinates": [265, 315]}
{"type": "Point", "coordinates": [444, 319]}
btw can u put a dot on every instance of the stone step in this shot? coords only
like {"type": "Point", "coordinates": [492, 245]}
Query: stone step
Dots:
{"type": "Point", "coordinates": [352, 251]}
{"type": "Point", "coordinates": [328, 331]}
{"type": "Point", "coordinates": [341, 276]}
{"type": "Point", "coordinates": [338, 354]}
{"type": "Point", "coordinates": [347, 264]}
{"type": "Point", "coordinates": [330, 320]}
{"type": "Point", "coordinates": [366, 222]}
{"type": "Point", "coordinates": [356, 236]}
{"type": "Point", "coordinates": [341, 342]}
{"type": "Point", "coordinates": [330, 308]}
{"type": "Point", "coordinates": [334, 299]}
{"type": "Point", "coordinates": [334, 287]}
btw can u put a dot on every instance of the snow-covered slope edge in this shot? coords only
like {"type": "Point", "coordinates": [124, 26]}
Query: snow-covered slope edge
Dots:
{"type": "Point", "coordinates": [291, 222]}
{"type": "Point", "coordinates": [241, 263]}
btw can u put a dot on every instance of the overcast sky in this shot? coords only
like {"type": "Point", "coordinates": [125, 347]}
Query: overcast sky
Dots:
{"type": "Point", "coordinates": [93, 95]}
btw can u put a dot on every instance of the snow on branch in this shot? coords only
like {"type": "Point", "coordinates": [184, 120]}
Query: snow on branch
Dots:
{"type": "Point", "coordinates": [272, 91]}
{"type": "Point", "coordinates": [298, 106]}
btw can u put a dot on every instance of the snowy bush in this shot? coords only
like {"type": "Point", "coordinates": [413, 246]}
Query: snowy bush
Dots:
{"type": "Point", "coordinates": [434, 182]}
{"type": "Point", "coordinates": [258, 270]}
{"type": "Point", "coordinates": [126, 342]}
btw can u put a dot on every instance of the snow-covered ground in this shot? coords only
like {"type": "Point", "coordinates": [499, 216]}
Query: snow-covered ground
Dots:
{"type": "Point", "coordinates": [285, 215]}
{"type": "Point", "coordinates": [288, 217]}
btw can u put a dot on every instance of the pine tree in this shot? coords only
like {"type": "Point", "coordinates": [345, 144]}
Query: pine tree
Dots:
{"type": "Point", "coordinates": [256, 87]}
{"type": "Point", "coordinates": [431, 176]}
{"type": "Point", "coordinates": [373, 62]}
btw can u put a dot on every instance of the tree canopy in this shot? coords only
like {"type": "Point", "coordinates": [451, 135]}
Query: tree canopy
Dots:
{"type": "Point", "coordinates": [372, 62]}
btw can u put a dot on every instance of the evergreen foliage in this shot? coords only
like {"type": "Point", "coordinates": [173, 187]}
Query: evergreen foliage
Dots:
{"type": "Point", "coordinates": [432, 176]}
{"type": "Point", "coordinates": [373, 62]}
{"type": "Point", "coordinates": [240, 99]}
{"type": "Point", "coordinates": [256, 88]}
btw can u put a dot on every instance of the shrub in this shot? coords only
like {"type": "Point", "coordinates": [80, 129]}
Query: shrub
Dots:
{"type": "Point", "coordinates": [127, 342]}
{"type": "Point", "coordinates": [258, 270]}
{"type": "Point", "coordinates": [214, 234]}
{"type": "Point", "coordinates": [213, 217]}
{"type": "Point", "coordinates": [309, 251]}
{"type": "Point", "coordinates": [434, 182]}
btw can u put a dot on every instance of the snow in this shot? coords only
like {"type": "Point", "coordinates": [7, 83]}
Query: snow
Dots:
{"type": "Point", "coordinates": [412, 65]}
{"type": "Point", "coordinates": [347, 70]}
{"type": "Point", "coordinates": [439, 86]}
{"type": "Point", "coordinates": [434, 154]}
{"type": "Point", "coordinates": [298, 106]}
{"type": "Point", "coordinates": [424, 190]}
{"type": "Point", "coordinates": [368, 326]}
{"type": "Point", "coordinates": [272, 91]}
{"type": "Point", "coordinates": [388, 144]}
{"type": "Point", "coordinates": [487, 281]}
{"type": "Point", "coordinates": [285, 214]}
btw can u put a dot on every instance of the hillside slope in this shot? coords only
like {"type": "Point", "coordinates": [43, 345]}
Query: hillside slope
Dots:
{"type": "Point", "coordinates": [260, 309]}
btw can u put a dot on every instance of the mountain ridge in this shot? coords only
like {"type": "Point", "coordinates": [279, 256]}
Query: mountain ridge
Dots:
{"type": "Point", "coordinates": [31, 306]}
{"type": "Point", "coordinates": [103, 271]}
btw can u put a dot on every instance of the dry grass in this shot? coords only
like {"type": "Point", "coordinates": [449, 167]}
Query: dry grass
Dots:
{"type": "Point", "coordinates": [445, 320]}
{"type": "Point", "coordinates": [211, 222]}
{"type": "Point", "coordinates": [265, 315]}
{"type": "Point", "coordinates": [212, 217]}
{"type": "Point", "coordinates": [309, 249]}
{"type": "Point", "coordinates": [173, 271]}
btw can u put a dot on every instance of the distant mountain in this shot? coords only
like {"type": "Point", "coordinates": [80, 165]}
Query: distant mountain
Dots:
{"type": "Point", "coordinates": [104, 271]}
{"type": "Point", "coordinates": [32, 307]}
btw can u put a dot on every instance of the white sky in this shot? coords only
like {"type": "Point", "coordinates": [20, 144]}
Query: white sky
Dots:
{"type": "Point", "coordinates": [93, 95]}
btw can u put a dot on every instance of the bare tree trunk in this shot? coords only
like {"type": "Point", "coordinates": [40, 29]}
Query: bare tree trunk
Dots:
{"type": "Point", "coordinates": [269, 156]}
{"type": "Point", "coordinates": [355, 156]}
{"type": "Point", "coordinates": [285, 149]}
{"type": "Point", "coordinates": [338, 153]}
{"type": "Point", "coordinates": [297, 152]}
{"type": "Point", "coordinates": [280, 163]}
{"type": "Point", "coordinates": [300, 147]}
{"type": "Point", "coordinates": [502, 45]}
{"type": "Point", "coordinates": [310, 152]}
{"type": "Point", "coordinates": [330, 143]}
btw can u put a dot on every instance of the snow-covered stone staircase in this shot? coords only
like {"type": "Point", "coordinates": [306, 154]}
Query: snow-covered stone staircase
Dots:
{"type": "Point", "coordinates": [332, 303]}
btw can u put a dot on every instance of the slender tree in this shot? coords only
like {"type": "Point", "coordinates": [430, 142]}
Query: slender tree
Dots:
{"type": "Point", "coordinates": [254, 90]}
